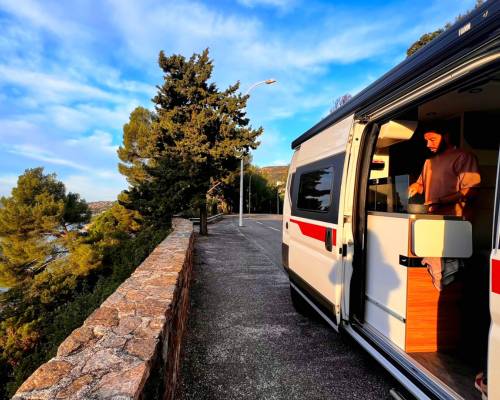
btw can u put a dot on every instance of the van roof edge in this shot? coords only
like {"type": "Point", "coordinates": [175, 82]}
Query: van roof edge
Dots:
{"type": "Point", "coordinates": [483, 21]}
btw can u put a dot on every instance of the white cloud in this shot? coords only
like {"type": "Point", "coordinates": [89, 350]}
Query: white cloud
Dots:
{"type": "Point", "coordinates": [11, 129]}
{"type": "Point", "coordinates": [245, 40]}
{"type": "Point", "coordinates": [66, 67]}
{"type": "Point", "coordinates": [103, 141]}
{"type": "Point", "coordinates": [280, 4]}
{"type": "Point", "coordinates": [37, 153]}
{"type": "Point", "coordinates": [37, 15]}
{"type": "Point", "coordinates": [7, 182]}
{"type": "Point", "coordinates": [95, 189]}
{"type": "Point", "coordinates": [187, 25]}
{"type": "Point", "coordinates": [82, 117]}
{"type": "Point", "coordinates": [280, 162]}
{"type": "Point", "coordinates": [51, 87]}
{"type": "Point", "coordinates": [90, 155]}
{"type": "Point", "coordinates": [91, 188]}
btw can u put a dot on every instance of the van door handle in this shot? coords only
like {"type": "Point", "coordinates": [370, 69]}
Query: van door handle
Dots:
{"type": "Point", "coordinates": [328, 239]}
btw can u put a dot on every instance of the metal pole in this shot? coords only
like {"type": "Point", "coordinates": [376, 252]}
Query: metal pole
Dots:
{"type": "Point", "coordinates": [277, 200]}
{"type": "Point", "coordinates": [267, 82]}
{"type": "Point", "coordinates": [249, 192]}
{"type": "Point", "coordinates": [241, 193]}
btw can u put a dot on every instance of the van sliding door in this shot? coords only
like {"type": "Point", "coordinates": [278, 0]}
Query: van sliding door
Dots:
{"type": "Point", "coordinates": [494, 338]}
{"type": "Point", "coordinates": [314, 231]}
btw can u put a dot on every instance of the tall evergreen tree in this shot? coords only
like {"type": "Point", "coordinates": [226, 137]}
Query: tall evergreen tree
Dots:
{"type": "Point", "coordinates": [138, 151]}
{"type": "Point", "coordinates": [195, 136]}
{"type": "Point", "coordinates": [430, 36]}
{"type": "Point", "coordinates": [31, 220]}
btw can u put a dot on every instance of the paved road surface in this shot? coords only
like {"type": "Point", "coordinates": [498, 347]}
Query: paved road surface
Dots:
{"type": "Point", "coordinates": [245, 340]}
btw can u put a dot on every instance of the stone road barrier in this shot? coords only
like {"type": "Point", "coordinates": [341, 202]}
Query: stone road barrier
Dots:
{"type": "Point", "coordinates": [129, 348]}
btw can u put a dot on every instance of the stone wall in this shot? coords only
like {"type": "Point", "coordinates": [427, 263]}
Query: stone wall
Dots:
{"type": "Point", "coordinates": [130, 345]}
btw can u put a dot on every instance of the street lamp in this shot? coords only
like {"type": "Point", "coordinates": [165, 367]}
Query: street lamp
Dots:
{"type": "Point", "coordinates": [266, 82]}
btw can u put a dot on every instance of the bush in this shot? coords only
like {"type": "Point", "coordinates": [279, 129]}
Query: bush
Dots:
{"type": "Point", "coordinates": [119, 261]}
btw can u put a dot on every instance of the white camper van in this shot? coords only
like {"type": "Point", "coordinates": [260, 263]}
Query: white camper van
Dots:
{"type": "Point", "coordinates": [354, 245]}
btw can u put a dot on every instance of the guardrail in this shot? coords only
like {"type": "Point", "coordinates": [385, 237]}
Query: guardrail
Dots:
{"type": "Point", "coordinates": [213, 218]}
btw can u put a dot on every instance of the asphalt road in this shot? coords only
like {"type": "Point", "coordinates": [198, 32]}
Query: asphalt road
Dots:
{"type": "Point", "coordinates": [244, 338]}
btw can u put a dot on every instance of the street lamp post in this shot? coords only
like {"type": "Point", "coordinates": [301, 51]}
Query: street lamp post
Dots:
{"type": "Point", "coordinates": [266, 82]}
{"type": "Point", "coordinates": [277, 201]}
{"type": "Point", "coordinates": [249, 193]}
{"type": "Point", "coordinates": [278, 183]}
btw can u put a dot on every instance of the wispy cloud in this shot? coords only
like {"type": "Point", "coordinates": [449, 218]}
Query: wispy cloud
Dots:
{"type": "Point", "coordinates": [39, 154]}
{"type": "Point", "coordinates": [280, 4]}
{"type": "Point", "coordinates": [70, 73]}
{"type": "Point", "coordinates": [39, 16]}
{"type": "Point", "coordinates": [95, 189]}
{"type": "Point", "coordinates": [51, 87]}
{"type": "Point", "coordinates": [7, 182]}
{"type": "Point", "coordinates": [98, 140]}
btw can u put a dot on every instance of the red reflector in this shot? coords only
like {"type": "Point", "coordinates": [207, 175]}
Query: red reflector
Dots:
{"type": "Point", "coordinates": [495, 276]}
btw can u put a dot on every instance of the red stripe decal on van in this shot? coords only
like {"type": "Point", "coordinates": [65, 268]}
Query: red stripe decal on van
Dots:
{"type": "Point", "coordinates": [317, 232]}
{"type": "Point", "coordinates": [495, 276]}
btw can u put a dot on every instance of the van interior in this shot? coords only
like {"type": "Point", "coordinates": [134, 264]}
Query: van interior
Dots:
{"type": "Point", "coordinates": [446, 331]}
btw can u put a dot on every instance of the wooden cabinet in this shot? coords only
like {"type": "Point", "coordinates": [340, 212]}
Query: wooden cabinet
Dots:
{"type": "Point", "coordinates": [401, 300]}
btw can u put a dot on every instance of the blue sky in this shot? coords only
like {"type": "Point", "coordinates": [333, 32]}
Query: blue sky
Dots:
{"type": "Point", "coordinates": [71, 72]}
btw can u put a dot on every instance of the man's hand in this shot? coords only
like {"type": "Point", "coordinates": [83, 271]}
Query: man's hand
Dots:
{"type": "Point", "coordinates": [414, 189]}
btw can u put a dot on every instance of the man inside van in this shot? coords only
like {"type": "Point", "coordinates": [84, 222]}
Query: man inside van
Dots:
{"type": "Point", "coordinates": [448, 182]}
{"type": "Point", "coordinates": [449, 177]}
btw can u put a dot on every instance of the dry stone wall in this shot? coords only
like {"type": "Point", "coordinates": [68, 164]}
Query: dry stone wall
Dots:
{"type": "Point", "coordinates": [138, 329]}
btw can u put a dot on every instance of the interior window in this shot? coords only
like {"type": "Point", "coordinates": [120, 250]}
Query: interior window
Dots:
{"type": "Point", "coordinates": [315, 189]}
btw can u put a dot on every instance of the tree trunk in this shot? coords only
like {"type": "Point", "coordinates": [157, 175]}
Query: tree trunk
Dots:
{"type": "Point", "coordinates": [203, 219]}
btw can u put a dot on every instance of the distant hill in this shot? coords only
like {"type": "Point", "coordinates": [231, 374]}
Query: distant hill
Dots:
{"type": "Point", "coordinates": [275, 174]}
{"type": "Point", "coordinates": [97, 207]}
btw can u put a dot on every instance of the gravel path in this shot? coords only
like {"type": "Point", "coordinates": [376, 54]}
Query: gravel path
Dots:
{"type": "Point", "coordinates": [245, 340]}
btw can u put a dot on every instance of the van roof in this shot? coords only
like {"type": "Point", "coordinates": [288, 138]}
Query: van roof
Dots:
{"type": "Point", "coordinates": [476, 28]}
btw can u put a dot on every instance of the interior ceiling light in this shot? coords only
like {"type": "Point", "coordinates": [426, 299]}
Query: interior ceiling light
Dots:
{"type": "Point", "coordinates": [475, 90]}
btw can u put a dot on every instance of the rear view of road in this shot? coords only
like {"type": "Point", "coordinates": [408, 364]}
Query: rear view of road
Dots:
{"type": "Point", "coordinates": [245, 340]}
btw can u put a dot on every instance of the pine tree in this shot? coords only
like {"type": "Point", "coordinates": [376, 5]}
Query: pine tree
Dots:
{"type": "Point", "coordinates": [195, 136]}
{"type": "Point", "coordinates": [42, 257]}
{"type": "Point", "coordinates": [38, 213]}
{"type": "Point", "coordinates": [138, 150]}
{"type": "Point", "coordinates": [430, 36]}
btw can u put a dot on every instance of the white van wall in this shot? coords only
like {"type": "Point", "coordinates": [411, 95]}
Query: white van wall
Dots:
{"type": "Point", "coordinates": [308, 257]}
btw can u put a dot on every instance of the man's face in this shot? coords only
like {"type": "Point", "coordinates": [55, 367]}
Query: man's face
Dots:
{"type": "Point", "coordinates": [434, 141]}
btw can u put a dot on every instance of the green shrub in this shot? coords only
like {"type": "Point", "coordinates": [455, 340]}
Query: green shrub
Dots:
{"type": "Point", "coordinates": [119, 261]}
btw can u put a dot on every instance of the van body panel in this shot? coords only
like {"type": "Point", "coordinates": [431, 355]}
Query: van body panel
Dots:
{"type": "Point", "coordinates": [315, 236]}
{"type": "Point", "coordinates": [331, 141]}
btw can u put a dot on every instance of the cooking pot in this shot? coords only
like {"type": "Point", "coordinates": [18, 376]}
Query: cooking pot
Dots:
{"type": "Point", "coordinates": [414, 208]}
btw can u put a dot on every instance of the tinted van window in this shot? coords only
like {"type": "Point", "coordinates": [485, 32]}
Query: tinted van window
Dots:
{"type": "Point", "coordinates": [315, 189]}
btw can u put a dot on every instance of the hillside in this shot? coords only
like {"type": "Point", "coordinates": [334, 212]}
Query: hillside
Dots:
{"type": "Point", "coordinates": [275, 174]}
{"type": "Point", "coordinates": [97, 207]}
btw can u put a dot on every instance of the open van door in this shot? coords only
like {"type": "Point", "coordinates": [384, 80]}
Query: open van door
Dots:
{"type": "Point", "coordinates": [494, 338]}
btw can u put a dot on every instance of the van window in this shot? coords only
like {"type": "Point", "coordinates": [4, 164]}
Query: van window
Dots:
{"type": "Point", "coordinates": [315, 190]}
